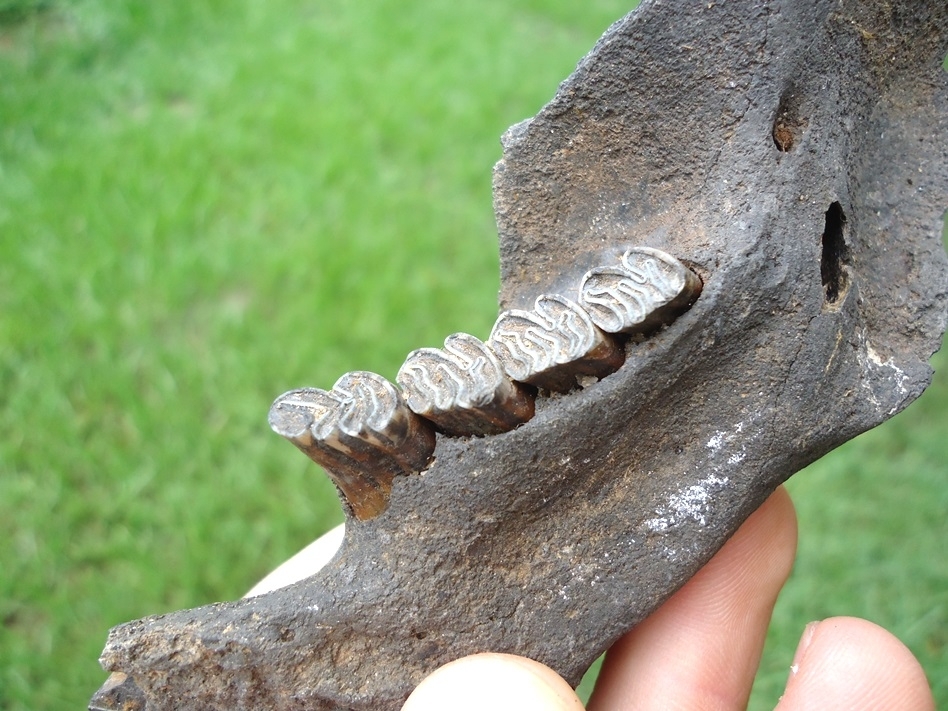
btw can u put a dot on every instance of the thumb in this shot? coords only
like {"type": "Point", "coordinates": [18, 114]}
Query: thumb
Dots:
{"type": "Point", "coordinates": [848, 663]}
{"type": "Point", "coordinates": [498, 682]}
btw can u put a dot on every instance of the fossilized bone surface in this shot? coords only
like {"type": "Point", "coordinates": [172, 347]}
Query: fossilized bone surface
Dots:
{"type": "Point", "coordinates": [795, 156]}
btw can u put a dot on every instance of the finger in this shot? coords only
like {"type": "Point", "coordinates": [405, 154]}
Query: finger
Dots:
{"type": "Point", "coordinates": [702, 647]}
{"type": "Point", "coordinates": [848, 663]}
{"type": "Point", "coordinates": [493, 682]}
{"type": "Point", "coordinates": [303, 564]}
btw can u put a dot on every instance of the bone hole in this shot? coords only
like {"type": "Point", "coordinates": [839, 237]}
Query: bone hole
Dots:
{"type": "Point", "coordinates": [835, 254]}
{"type": "Point", "coordinates": [787, 121]}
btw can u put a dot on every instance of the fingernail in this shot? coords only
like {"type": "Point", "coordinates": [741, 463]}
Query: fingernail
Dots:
{"type": "Point", "coordinates": [808, 633]}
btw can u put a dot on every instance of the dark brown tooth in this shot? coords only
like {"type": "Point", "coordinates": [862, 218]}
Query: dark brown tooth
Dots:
{"type": "Point", "coordinates": [553, 344]}
{"type": "Point", "coordinates": [463, 389]}
{"type": "Point", "coordinates": [646, 290]}
{"type": "Point", "coordinates": [360, 432]}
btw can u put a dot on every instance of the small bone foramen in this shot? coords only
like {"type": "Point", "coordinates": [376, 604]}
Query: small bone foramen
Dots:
{"type": "Point", "coordinates": [648, 289]}
{"type": "Point", "coordinates": [552, 344]}
{"type": "Point", "coordinates": [360, 432]}
{"type": "Point", "coordinates": [463, 388]}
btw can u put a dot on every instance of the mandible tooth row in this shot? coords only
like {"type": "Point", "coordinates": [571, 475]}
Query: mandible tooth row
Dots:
{"type": "Point", "coordinates": [364, 431]}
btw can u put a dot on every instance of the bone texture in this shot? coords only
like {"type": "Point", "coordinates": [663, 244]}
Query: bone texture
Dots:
{"type": "Point", "coordinates": [738, 156]}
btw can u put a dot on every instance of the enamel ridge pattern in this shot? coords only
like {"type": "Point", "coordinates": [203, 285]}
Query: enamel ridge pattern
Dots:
{"type": "Point", "coordinates": [463, 388]}
{"type": "Point", "coordinates": [646, 290]}
{"type": "Point", "coordinates": [361, 432]}
{"type": "Point", "coordinates": [552, 344]}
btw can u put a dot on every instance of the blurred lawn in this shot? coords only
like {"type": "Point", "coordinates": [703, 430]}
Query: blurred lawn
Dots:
{"type": "Point", "coordinates": [205, 204]}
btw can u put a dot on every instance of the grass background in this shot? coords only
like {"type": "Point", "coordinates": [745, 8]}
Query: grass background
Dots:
{"type": "Point", "coordinates": [205, 204]}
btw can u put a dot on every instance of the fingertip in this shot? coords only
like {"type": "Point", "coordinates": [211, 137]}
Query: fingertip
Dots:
{"type": "Point", "coordinates": [785, 511]}
{"type": "Point", "coordinates": [847, 662]}
{"type": "Point", "coordinates": [705, 641]}
{"type": "Point", "coordinates": [771, 531]}
{"type": "Point", "coordinates": [499, 682]}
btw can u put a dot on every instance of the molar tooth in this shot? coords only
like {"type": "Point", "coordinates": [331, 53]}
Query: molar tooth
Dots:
{"type": "Point", "coordinates": [648, 289]}
{"type": "Point", "coordinates": [360, 432]}
{"type": "Point", "coordinates": [553, 344]}
{"type": "Point", "coordinates": [463, 388]}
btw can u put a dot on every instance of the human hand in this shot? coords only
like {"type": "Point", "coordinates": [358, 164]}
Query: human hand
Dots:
{"type": "Point", "coordinates": [700, 650]}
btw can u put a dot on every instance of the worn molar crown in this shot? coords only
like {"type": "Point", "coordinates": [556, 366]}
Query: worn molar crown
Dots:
{"type": "Point", "coordinates": [373, 411]}
{"type": "Point", "coordinates": [648, 289]}
{"type": "Point", "coordinates": [361, 432]}
{"type": "Point", "coordinates": [552, 344]}
{"type": "Point", "coordinates": [463, 388]}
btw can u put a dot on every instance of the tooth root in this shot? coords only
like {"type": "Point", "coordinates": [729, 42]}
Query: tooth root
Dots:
{"type": "Point", "coordinates": [293, 416]}
{"type": "Point", "coordinates": [553, 344]}
{"type": "Point", "coordinates": [360, 432]}
{"type": "Point", "coordinates": [646, 290]}
{"type": "Point", "coordinates": [463, 389]}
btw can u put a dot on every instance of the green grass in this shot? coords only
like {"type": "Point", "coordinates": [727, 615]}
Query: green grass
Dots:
{"type": "Point", "coordinates": [205, 204]}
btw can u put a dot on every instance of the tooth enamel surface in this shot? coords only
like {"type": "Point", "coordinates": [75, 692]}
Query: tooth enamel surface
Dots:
{"type": "Point", "coordinates": [295, 414]}
{"type": "Point", "coordinates": [647, 289]}
{"type": "Point", "coordinates": [360, 432]}
{"type": "Point", "coordinates": [463, 389]}
{"type": "Point", "coordinates": [552, 344]}
{"type": "Point", "coordinates": [369, 409]}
